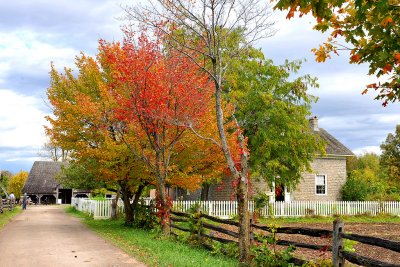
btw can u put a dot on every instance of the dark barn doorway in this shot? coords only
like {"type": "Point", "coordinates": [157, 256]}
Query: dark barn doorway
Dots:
{"type": "Point", "coordinates": [65, 195]}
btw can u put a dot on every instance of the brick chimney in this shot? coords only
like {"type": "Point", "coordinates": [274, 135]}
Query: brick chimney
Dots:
{"type": "Point", "coordinates": [314, 123]}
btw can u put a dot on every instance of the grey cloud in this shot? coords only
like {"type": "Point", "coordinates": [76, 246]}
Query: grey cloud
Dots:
{"type": "Point", "coordinates": [26, 81]}
{"type": "Point", "coordinates": [73, 23]}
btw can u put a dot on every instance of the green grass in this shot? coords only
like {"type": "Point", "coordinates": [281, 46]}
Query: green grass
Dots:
{"type": "Point", "coordinates": [6, 216]}
{"type": "Point", "coordinates": [147, 247]}
{"type": "Point", "coordinates": [320, 219]}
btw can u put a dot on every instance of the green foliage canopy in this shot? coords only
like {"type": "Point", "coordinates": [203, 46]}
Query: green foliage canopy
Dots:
{"type": "Point", "coordinates": [369, 181]}
{"type": "Point", "coordinates": [390, 158]}
{"type": "Point", "coordinates": [272, 107]}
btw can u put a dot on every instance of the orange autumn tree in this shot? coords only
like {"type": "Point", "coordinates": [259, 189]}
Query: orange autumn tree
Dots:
{"type": "Point", "coordinates": [198, 158]}
{"type": "Point", "coordinates": [200, 154]}
{"type": "Point", "coordinates": [160, 94]}
{"type": "Point", "coordinates": [83, 123]}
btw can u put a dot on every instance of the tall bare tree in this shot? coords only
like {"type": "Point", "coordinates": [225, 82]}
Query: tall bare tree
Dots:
{"type": "Point", "coordinates": [50, 150]}
{"type": "Point", "coordinates": [213, 33]}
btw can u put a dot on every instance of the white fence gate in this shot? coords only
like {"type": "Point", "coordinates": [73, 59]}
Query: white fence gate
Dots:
{"type": "Point", "coordinates": [101, 209]}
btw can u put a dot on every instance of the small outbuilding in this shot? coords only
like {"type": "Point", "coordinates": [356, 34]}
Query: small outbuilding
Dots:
{"type": "Point", "coordinates": [42, 186]}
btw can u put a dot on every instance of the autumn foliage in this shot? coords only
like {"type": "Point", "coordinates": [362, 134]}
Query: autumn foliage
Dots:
{"type": "Point", "coordinates": [370, 30]}
{"type": "Point", "coordinates": [160, 94]}
{"type": "Point", "coordinates": [130, 117]}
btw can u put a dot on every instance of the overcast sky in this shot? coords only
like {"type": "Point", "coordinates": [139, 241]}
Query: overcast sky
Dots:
{"type": "Point", "coordinates": [37, 32]}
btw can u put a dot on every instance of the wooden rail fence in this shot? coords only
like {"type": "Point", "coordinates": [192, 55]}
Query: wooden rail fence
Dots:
{"type": "Point", "coordinates": [6, 204]}
{"type": "Point", "coordinates": [101, 209]}
{"type": "Point", "coordinates": [339, 255]}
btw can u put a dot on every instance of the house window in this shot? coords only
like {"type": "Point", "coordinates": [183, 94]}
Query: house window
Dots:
{"type": "Point", "coordinates": [320, 184]}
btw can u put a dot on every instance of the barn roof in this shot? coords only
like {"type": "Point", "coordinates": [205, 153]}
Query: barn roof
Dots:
{"type": "Point", "coordinates": [41, 178]}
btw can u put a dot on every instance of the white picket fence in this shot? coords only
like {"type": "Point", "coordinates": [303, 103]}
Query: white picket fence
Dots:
{"type": "Point", "coordinates": [226, 209]}
{"type": "Point", "coordinates": [99, 209]}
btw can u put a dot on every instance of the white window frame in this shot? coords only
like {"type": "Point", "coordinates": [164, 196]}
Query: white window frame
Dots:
{"type": "Point", "coordinates": [326, 185]}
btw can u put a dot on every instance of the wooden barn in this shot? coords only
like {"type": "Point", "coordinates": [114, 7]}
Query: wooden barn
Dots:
{"type": "Point", "coordinates": [42, 186]}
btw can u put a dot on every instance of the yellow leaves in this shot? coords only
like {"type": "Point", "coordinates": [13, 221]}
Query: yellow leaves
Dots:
{"type": "Point", "coordinates": [322, 53]}
{"type": "Point", "coordinates": [386, 21]}
{"type": "Point", "coordinates": [305, 10]}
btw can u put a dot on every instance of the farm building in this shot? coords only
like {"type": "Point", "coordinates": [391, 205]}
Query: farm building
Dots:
{"type": "Point", "coordinates": [323, 184]}
{"type": "Point", "coordinates": [42, 186]}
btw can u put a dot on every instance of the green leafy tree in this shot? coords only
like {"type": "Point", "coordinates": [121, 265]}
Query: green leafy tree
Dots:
{"type": "Point", "coordinates": [16, 183]}
{"type": "Point", "coordinates": [4, 178]}
{"type": "Point", "coordinates": [272, 106]}
{"type": "Point", "coordinates": [390, 158]}
{"type": "Point", "coordinates": [371, 33]}
{"type": "Point", "coordinates": [360, 185]}
{"type": "Point", "coordinates": [368, 181]}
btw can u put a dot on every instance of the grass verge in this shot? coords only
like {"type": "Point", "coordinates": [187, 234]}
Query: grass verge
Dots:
{"type": "Point", "coordinates": [7, 215]}
{"type": "Point", "coordinates": [147, 247]}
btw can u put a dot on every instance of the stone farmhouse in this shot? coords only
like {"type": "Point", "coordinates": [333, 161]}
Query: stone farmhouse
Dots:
{"type": "Point", "coordinates": [323, 184]}
{"type": "Point", "coordinates": [42, 187]}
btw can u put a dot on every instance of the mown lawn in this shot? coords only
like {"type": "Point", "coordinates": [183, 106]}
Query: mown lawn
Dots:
{"type": "Point", "coordinates": [6, 216]}
{"type": "Point", "coordinates": [147, 247]}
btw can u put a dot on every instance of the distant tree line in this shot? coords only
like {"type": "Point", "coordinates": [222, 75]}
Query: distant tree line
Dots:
{"type": "Point", "coordinates": [373, 177]}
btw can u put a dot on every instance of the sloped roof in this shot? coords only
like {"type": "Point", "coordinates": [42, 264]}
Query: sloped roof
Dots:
{"type": "Point", "coordinates": [41, 178]}
{"type": "Point", "coordinates": [333, 146]}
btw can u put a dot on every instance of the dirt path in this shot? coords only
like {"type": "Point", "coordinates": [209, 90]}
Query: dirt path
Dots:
{"type": "Point", "coordinates": [47, 236]}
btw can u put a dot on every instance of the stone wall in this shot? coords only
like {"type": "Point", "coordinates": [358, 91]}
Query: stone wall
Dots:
{"type": "Point", "coordinates": [335, 171]}
{"type": "Point", "coordinates": [333, 168]}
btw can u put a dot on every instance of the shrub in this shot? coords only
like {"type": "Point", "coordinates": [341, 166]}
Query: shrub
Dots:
{"type": "Point", "coordinates": [266, 255]}
{"type": "Point", "coordinates": [355, 189]}
{"type": "Point", "coordinates": [145, 218]}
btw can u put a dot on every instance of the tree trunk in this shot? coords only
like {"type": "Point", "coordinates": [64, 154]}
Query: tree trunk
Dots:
{"type": "Point", "coordinates": [204, 191]}
{"type": "Point", "coordinates": [240, 177]}
{"type": "Point", "coordinates": [114, 204]}
{"type": "Point", "coordinates": [244, 221]}
{"type": "Point", "coordinates": [136, 198]}
{"type": "Point", "coordinates": [126, 197]}
{"type": "Point", "coordinates": [161, 198]}
{"type": "Point", "coordinates": [163, 208]}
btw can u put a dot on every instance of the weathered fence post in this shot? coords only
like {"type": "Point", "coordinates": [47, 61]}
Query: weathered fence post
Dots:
{"type": "Point", "coordinates": [337, 247]}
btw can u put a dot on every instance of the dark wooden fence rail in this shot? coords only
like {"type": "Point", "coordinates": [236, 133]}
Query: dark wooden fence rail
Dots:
{"type": "Point", "coordinates": [339, 255]}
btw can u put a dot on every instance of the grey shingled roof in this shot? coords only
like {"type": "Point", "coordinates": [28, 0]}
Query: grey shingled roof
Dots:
{"type": "Point", "coordinates": [41, 178]}
{"type": "Point", "coordinates": [333, 146]}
